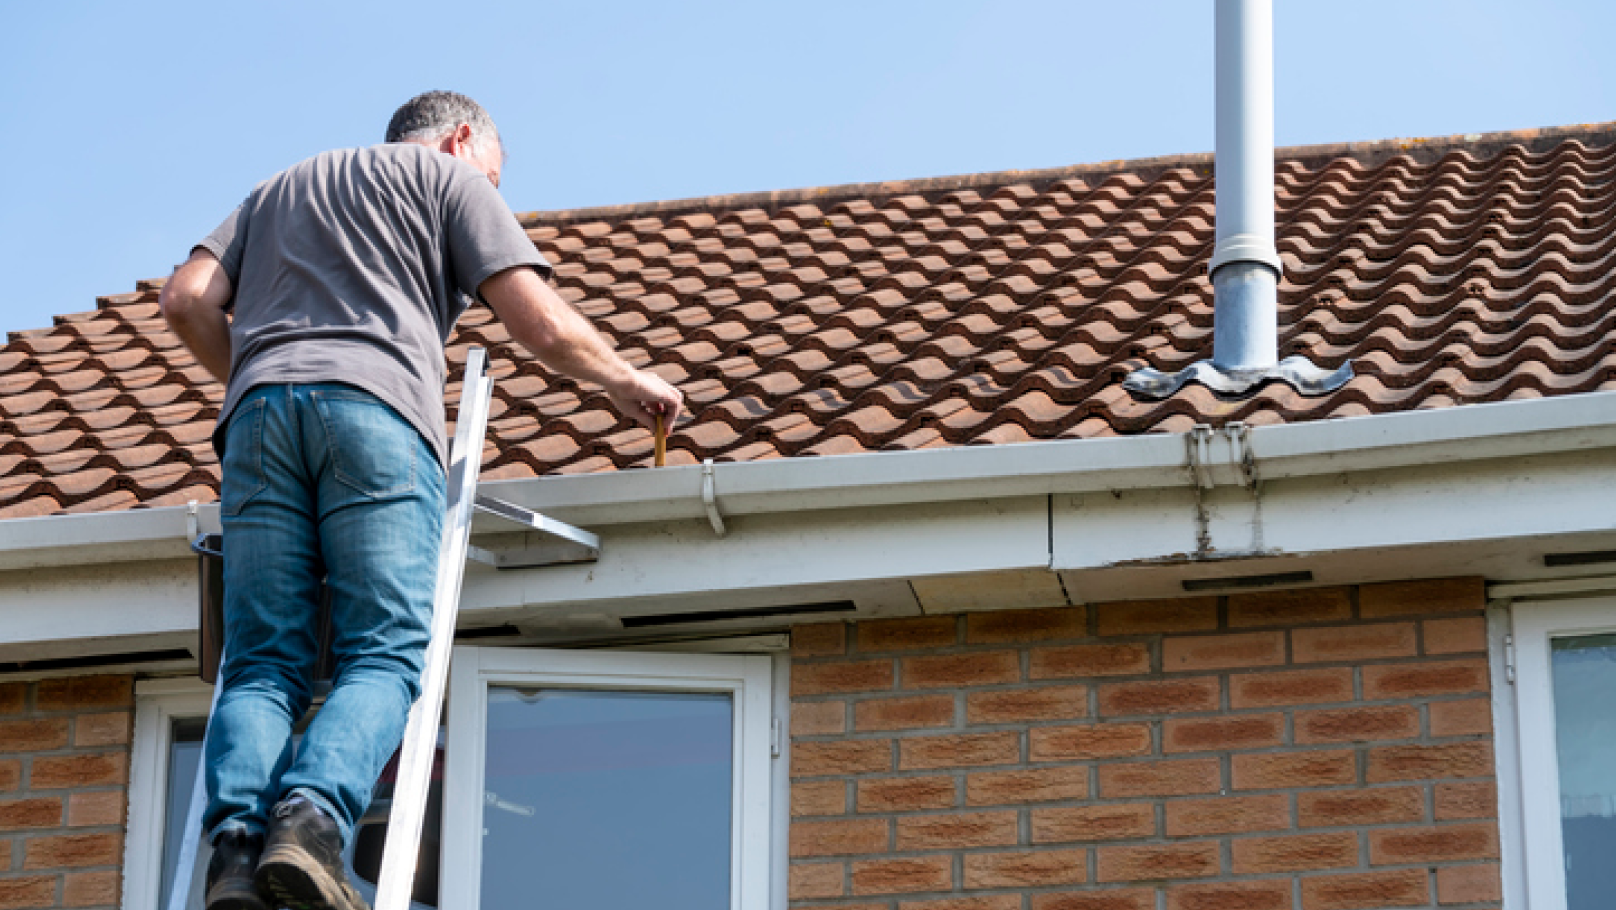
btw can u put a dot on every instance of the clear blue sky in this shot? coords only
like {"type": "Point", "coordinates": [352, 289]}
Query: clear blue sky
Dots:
{"type": "Point", "coordinates": [133, 128]}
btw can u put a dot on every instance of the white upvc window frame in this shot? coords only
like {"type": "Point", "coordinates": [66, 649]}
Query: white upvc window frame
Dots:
{"type": "Point", "coordinates": [1533, 626]}
{"type": "Point", "coordinates": [748, 680]}
{"type": "Point", "coordinates": [158, 703]}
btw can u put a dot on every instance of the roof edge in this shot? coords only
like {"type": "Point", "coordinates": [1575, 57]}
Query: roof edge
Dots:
{"type": "Point", "coordinates": [1370, 152]}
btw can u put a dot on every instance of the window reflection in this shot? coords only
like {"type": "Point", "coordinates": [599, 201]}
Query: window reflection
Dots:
{"type": "Point", "coordinates": [1585, 723]}
{"type": "Point", "coordinates": [609, 800]}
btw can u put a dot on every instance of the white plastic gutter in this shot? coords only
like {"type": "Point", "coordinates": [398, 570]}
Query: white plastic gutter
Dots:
{"type": "Point", "coordinates": [1358, 444]}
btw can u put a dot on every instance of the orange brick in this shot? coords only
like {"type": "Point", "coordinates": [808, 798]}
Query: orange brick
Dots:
{"type": "Point", "coordinates": [1339, 644]}
{"type": "Point", "coordinates": [907, 713]}
{"type": "Point", "coordinates": [984, 902]}
{"type": "Point", "coordinates": [33, 735]}
{"type": "Point", "coordinates": [983, 668]}
{"type": "Point", "coordinates": [1156, 862]}
{"type": "Point", "coordinates": [1294, 853]}
{"type": "Point", "coordinates": [1359, 891]}
{"type": "Point", "coordinates": [1447, 677]}
{"type": "Point", "coordinates": [917, 753]}
{"type": "Point", "coordinates": [1105, 821]}
{"type": "Point", "coordinates": [819, 640]}
{"type": "Point", "coordinates": [1026, 869]}
{"type": "Point", "coordinates": [72, 851]}
{"type": "Point", "coordinates": [1223, 652]}
{"type": "Point", "coordinates": [1227, 815]}
{"type": "Point", "coordinates": [839, 838]}
{"type": "Point", "coordinates": [1468, 884]}
{"type": "Point", "coordinates": [1025, 626]}
{"type": "Point", "coordinates": [857, 756]}
{"type": "Point", "coordinates": [895, 876]}
{"type": "Point", "coordinates": [1084, 661]}
{"type": "Point", "coordinates": [841, 677]}
{"type": "Point", "coordinates": [1290, 607]}
{"type": "Point", "coordinates": [1003, 788]}
{"type": "Point", "coordinates": [27, 891]}
{"type": "Point", "coordinates": [1147, 617]}
{"type": "Point", "coordinates": [909, 634]}
{"type": "Point", "coordinates": [10, 774]}
{"type": "Point", "coordinates": [1466, 717]}
{"type": "Point", "coordinates": [1088, 741]}
{"type": "Point", "coordinates": [90, 889]}
{"type": "Point", "coordinates": [1009, 706]}
{"type": "Point", "coordinates": [906, 794]}
{"type": "Point", "coordinates": [817, 880]}
{"type": "Point", "coordinates": [22, 814]}
{"type": "Point", "coordinates": [1468, 800]}
{"type": "Point", "coordinates": [1349, 725]}
{"type": "Point", "coordinates": [1163, 696]}
{"type": "Point", "coordinates": [818, 718]}
{"type": "Point", "coordinates": [819, 797]}
{"type": "Point", "coordinates": [1367, 806]}
{"type": "Point", "coordinates": [1413, 598]}
{"type": "Point", "coordinates": [1435, 844]}
{"type": "Point", "coordinates": [1108, 899]}
{"type": "Point", "coordinates": [110, 729]}
{"type": "Point", "coordinates": [95, 769]}
{"type": "Point", "coordinates": [1455, 636]}
{"type": "Point", "coordinates": [1283, 770]}
{"type": "Point", "coordinates": [1259, 895]}
{"type": "Point", "coordinates": [85, 693]}
{"type": "Point", "coordinates": [1421, 762]}
{"type": "Point", "coordinates": [1290, 687]}
{"type": "Point", "coordinates": [1220, 734]}
{"type": "Point", "coordinates": [13, 697]}
{"type": "Point", "coordinates": [955, 831]}
{"type": "Point", "coordinates": [1179, 777]}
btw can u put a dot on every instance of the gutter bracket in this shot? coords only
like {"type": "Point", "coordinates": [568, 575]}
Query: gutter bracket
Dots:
{"type": "Point", "coordinates": [709, 498]}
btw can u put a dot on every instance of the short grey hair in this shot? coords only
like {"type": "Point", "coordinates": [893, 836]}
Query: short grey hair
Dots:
{"type": "Point", "coordinates": [431, 115]}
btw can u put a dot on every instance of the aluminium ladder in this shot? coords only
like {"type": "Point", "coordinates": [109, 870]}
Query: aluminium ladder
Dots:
{"type": "Point", "coordinates": [568, 544]}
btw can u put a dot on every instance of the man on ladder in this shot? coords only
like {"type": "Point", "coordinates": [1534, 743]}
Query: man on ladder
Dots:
{"type": "Point", "coordinates": [323, 302]}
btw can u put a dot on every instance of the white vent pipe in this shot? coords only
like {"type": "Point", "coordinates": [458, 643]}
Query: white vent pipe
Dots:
{"type": "Point", "coordinates": [1245, 265]}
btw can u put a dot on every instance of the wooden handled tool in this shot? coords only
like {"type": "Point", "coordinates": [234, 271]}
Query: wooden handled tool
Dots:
{"type": "Point", "coordinates": [661, 442]}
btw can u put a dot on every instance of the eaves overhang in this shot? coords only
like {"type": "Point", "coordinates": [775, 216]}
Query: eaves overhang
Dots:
{"type": "Point", "coordinates": [1478, 489]}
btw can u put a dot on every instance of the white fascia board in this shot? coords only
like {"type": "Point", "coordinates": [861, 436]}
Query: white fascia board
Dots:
{"type": "Point", "coordinates": [822, 485]}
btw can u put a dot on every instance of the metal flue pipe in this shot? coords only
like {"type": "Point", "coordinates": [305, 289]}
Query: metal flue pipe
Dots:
{"type": "Point", "coordinates": [1245, 263]}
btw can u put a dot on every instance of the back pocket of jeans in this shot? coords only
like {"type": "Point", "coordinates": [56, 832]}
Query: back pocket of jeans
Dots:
{"type": "Point", "coordinates": [243, 457]}
{"type": "Point", "coordinates": [372, 448]}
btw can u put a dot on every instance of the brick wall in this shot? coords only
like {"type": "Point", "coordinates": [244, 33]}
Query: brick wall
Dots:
{"type": "Point", "coordinates": [1322, 749]}
{"type": "Point", "coordinates": [64, 769]}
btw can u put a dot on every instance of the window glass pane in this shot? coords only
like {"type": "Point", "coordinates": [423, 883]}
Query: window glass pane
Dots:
{"type": "Point", "coordinates": [184, 756]}
{"type": "Point", "coordinates": [364, 853]}
{"type": "Point", "coordinates": [607, 800]}
{"type": "Point", "coordinates": [1585, 725]}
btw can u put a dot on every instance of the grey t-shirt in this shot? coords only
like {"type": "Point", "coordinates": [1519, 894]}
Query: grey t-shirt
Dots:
{"type": "Point", "coordinates": [353, 266]}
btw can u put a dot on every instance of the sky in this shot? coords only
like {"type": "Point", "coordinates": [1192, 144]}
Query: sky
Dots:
{"type": "Point", "coordinates": [136, 127]}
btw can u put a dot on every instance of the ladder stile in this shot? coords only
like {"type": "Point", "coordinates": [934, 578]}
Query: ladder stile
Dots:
{"type": "Point", "coordinates": [397, 875]}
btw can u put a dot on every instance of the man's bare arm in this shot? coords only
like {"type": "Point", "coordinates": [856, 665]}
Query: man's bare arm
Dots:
{"type": "Point", "coordinates": [193, 301]}
{"type": "Point", "coordinates": [563, 340]}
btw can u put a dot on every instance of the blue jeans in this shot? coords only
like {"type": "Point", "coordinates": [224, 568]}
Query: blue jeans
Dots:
{"type": "Point", "coordinates": [321, 481]}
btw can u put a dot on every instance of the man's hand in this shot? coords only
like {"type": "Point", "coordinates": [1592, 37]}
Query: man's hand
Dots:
{"type": "Point", "coordinates": [193, 301]}
{"type": "Point", "coordinates": [650, 397]}
{"type": "Point", "coordinates": [563, 340]}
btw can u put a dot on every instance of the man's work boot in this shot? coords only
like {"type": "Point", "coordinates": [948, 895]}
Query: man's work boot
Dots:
{"type": "Point", "coordinates": [230, 872]}
{"type": "Point", "coordinates": [301, 868]}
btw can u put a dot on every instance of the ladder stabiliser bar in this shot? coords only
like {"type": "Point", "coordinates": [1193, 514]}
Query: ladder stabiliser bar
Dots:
{"type": "Point", "coordinates": [559, 542]}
